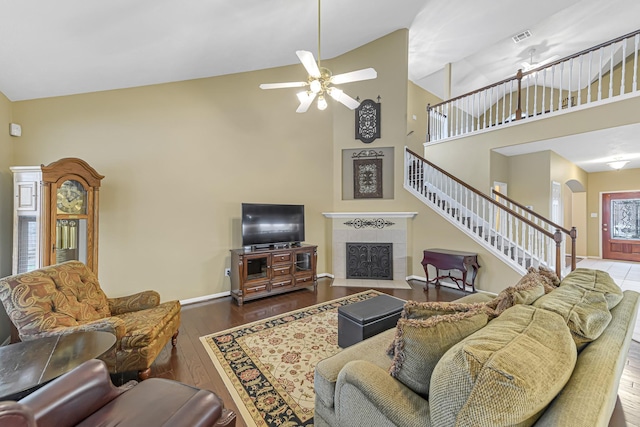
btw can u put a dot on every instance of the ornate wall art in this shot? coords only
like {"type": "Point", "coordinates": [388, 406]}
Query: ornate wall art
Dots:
{"type": "Point", "coordinates": [368, 121]}
{"type": "Point", "coordinates": [367, 178]}
{"type": "Point", "coordinates": [369, 223]}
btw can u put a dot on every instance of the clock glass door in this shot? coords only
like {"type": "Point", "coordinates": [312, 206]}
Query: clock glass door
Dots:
{"type": "Point", "coordinates": [71, 222]}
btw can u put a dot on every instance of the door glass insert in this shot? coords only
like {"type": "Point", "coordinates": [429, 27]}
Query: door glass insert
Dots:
{"type": "Point", "coordinates": [625, 219]}
{"type": "Point", "coordinates": [303, 262]}
{"type": "Point", "coordinates": [257, 268]}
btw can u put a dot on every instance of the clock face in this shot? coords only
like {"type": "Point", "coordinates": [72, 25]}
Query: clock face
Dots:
{"type": "Point", "coordinates": [71, 198]}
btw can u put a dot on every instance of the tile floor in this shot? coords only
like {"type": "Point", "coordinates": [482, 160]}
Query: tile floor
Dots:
{"type": "Point", "coordinates": [626, 274]}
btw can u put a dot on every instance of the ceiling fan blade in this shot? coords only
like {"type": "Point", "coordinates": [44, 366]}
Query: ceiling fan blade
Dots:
{"type": "Point", "coordinates": [306, 98]}
{"type": "Point", "coordinates": [354, 76]}
{"type": "Point", "coordinates": [343, 98]}
{"type": "Point", "coordinates": [282, 85]}
{"type": "Point", "coordinates": [548, 60]}
{"type": "Point", "coordinates": [309, 63]}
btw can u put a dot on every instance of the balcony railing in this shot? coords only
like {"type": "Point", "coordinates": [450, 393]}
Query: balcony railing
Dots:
{"type": "Point", "coordinates": [592, 76]}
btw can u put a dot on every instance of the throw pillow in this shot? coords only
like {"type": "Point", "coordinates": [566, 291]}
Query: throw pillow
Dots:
{"type": "Point", "coordinates": [421, 343]}
{"type": "Point", "coordinates": [585, 312]}
{"type": "Point", "coordinates": [526, 291]}
{"type": "Point", "coordinates": [597, 281]}
{"type": "Point", "coordinates": [551, 276]}
{"type": "Point", "coordinates": [426, 309]}
{"type": "Point", "coordinates": [504, 374]}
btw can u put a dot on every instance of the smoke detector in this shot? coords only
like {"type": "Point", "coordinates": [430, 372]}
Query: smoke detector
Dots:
{"type": "Point", "coordinates": [521, 36]}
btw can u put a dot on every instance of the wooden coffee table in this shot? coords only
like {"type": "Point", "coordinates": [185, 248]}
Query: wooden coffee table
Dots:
{"type": "Point", "coordinates": [25, 366]}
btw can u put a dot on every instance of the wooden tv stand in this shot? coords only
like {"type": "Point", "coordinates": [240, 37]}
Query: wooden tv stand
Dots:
{"type": "Point", "coordinates": [264, 272]}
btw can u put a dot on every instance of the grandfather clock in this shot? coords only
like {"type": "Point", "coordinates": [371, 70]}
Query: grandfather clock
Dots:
{"type": "Point", "coordinates": [55, 214]}
{"type": "Point", "coordinates": [70, 212]}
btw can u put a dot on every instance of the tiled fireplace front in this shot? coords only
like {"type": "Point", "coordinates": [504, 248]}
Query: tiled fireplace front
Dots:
{"type": "Point", "coordinates": [369, 227]}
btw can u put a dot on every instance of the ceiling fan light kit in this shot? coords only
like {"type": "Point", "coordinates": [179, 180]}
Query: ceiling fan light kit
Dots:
{"type": "Point", "coordinates": [618, 164]}
{"type": "Point", "coordinates": [321, 81]}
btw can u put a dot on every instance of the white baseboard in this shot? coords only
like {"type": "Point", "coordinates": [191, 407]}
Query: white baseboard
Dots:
{"type": "Point", "coordinates": [225, 294]}
{"type": "Point", "coordinates": [204, 298]}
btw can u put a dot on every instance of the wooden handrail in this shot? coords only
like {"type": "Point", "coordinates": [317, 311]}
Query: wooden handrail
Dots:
{"type": "Point", "coordinates": [573, 233]}
{"type": "Point", "coordinates": [582, 52]}
{"type": "Point", "coordinates": [484, 196]}
{"type": "Point", "coordinates": [556, 236]}
{"type": "Point", "coordinates": [529, 211]}
{"type": "Point", "coordinates": [508, 79]}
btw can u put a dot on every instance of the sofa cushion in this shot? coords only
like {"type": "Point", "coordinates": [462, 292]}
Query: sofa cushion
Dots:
{"type": "Point", "coordinates": [528, 289]}
{"type": "Point", "coordinates": [144, 326]}
{"type": "Point", "coordinates": [81, 287]}
{"type": "Point", "coordinates": [597, 281]}
{"type": "Point", "coordinates": [504, 374]}
{"type": "Point", "coordinates": [327, 370]}
{"type": "Point", "coordinates": [53, 297]}
{"type": "Point", "coordinates": [585, 312]}
{"type": "Point", "coordinates": [419, 345]}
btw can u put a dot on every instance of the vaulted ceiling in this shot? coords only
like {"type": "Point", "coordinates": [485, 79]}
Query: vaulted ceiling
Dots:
{"type": "Point", "coordinates": [75, 46]}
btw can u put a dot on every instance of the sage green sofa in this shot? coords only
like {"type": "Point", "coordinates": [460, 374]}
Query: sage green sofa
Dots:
{"type": "Point", "coordinates": [355, 388]}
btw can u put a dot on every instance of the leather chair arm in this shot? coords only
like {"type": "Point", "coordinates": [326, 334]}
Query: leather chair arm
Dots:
{"type": "Point", "coordinates": [136, 302]}
{"type": "Point", "coordinates": [204, 407]}
{"type": "Point", "coordinates": [74, 396]}
{"type": "Point", "coordinates": [14, 414]}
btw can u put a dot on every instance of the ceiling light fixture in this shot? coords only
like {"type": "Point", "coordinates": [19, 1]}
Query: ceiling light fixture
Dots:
{"type": "Point", "coordinates": [618, 164]}
{"type": "Point", "coordinates": [321, 81]}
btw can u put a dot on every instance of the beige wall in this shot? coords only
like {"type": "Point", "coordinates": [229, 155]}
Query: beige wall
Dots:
{"type": "Point", "coordinates": [6, 196]}
{"type": "Point", "coordinates": [180, 158]}
{"type": "Point", "coordinates": [178, 161]}
{"type": "Point", "coordinates": [562, 171]}
{"type": "Point", "coordinates": [605, 182]}
{"type": "Point", "coordinates": [417, 101]}
{"type": "Point", "coordinates": [529, 182]}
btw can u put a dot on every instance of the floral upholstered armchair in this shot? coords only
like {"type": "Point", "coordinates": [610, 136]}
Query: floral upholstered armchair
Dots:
{"type": "Point", "coordinates": [66, 298]}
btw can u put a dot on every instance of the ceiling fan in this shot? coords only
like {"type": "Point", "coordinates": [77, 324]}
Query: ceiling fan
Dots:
{"type": "Point", "coordinates": [526, 66]}
{"type": "Point", "coordinates": [321, 81]}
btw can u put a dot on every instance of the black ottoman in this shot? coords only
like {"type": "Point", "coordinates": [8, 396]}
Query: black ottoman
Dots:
{"type": "Point", "coordinates": [364, 319]}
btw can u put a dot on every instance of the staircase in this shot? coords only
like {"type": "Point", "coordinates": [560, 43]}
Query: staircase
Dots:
{"type": "Point", "coordinates": [513, 233]}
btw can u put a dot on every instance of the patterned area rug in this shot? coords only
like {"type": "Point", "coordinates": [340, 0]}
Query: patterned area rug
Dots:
{"type": "Point", "coordinates": [268, 365]}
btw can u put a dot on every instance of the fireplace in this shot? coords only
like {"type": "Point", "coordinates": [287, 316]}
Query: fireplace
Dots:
{"type": "Point", "coordinates": [389, 228]}
{"type": "Point", "coordinates": [369, 261]}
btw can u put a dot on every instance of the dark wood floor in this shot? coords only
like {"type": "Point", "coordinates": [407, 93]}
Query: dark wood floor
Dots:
{"type": "Point", "coordinates": [190, 363]}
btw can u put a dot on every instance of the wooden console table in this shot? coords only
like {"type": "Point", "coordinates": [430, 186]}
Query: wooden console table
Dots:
{"type": "Point", "coordinates": [446, 259]}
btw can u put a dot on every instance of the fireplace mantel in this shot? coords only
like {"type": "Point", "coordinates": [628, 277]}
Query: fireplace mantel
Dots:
{"type": "Point", "coordinates": [373, 227]}
{"type": "Point", "coordinates": [369, 214]}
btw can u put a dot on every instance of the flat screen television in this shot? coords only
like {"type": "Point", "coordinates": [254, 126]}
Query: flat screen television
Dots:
{"type": "Point", "coordinates": [270, 224]}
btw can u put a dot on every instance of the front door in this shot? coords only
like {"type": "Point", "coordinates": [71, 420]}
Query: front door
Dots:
{"type": "Point", "coordinates": [621, 226]}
